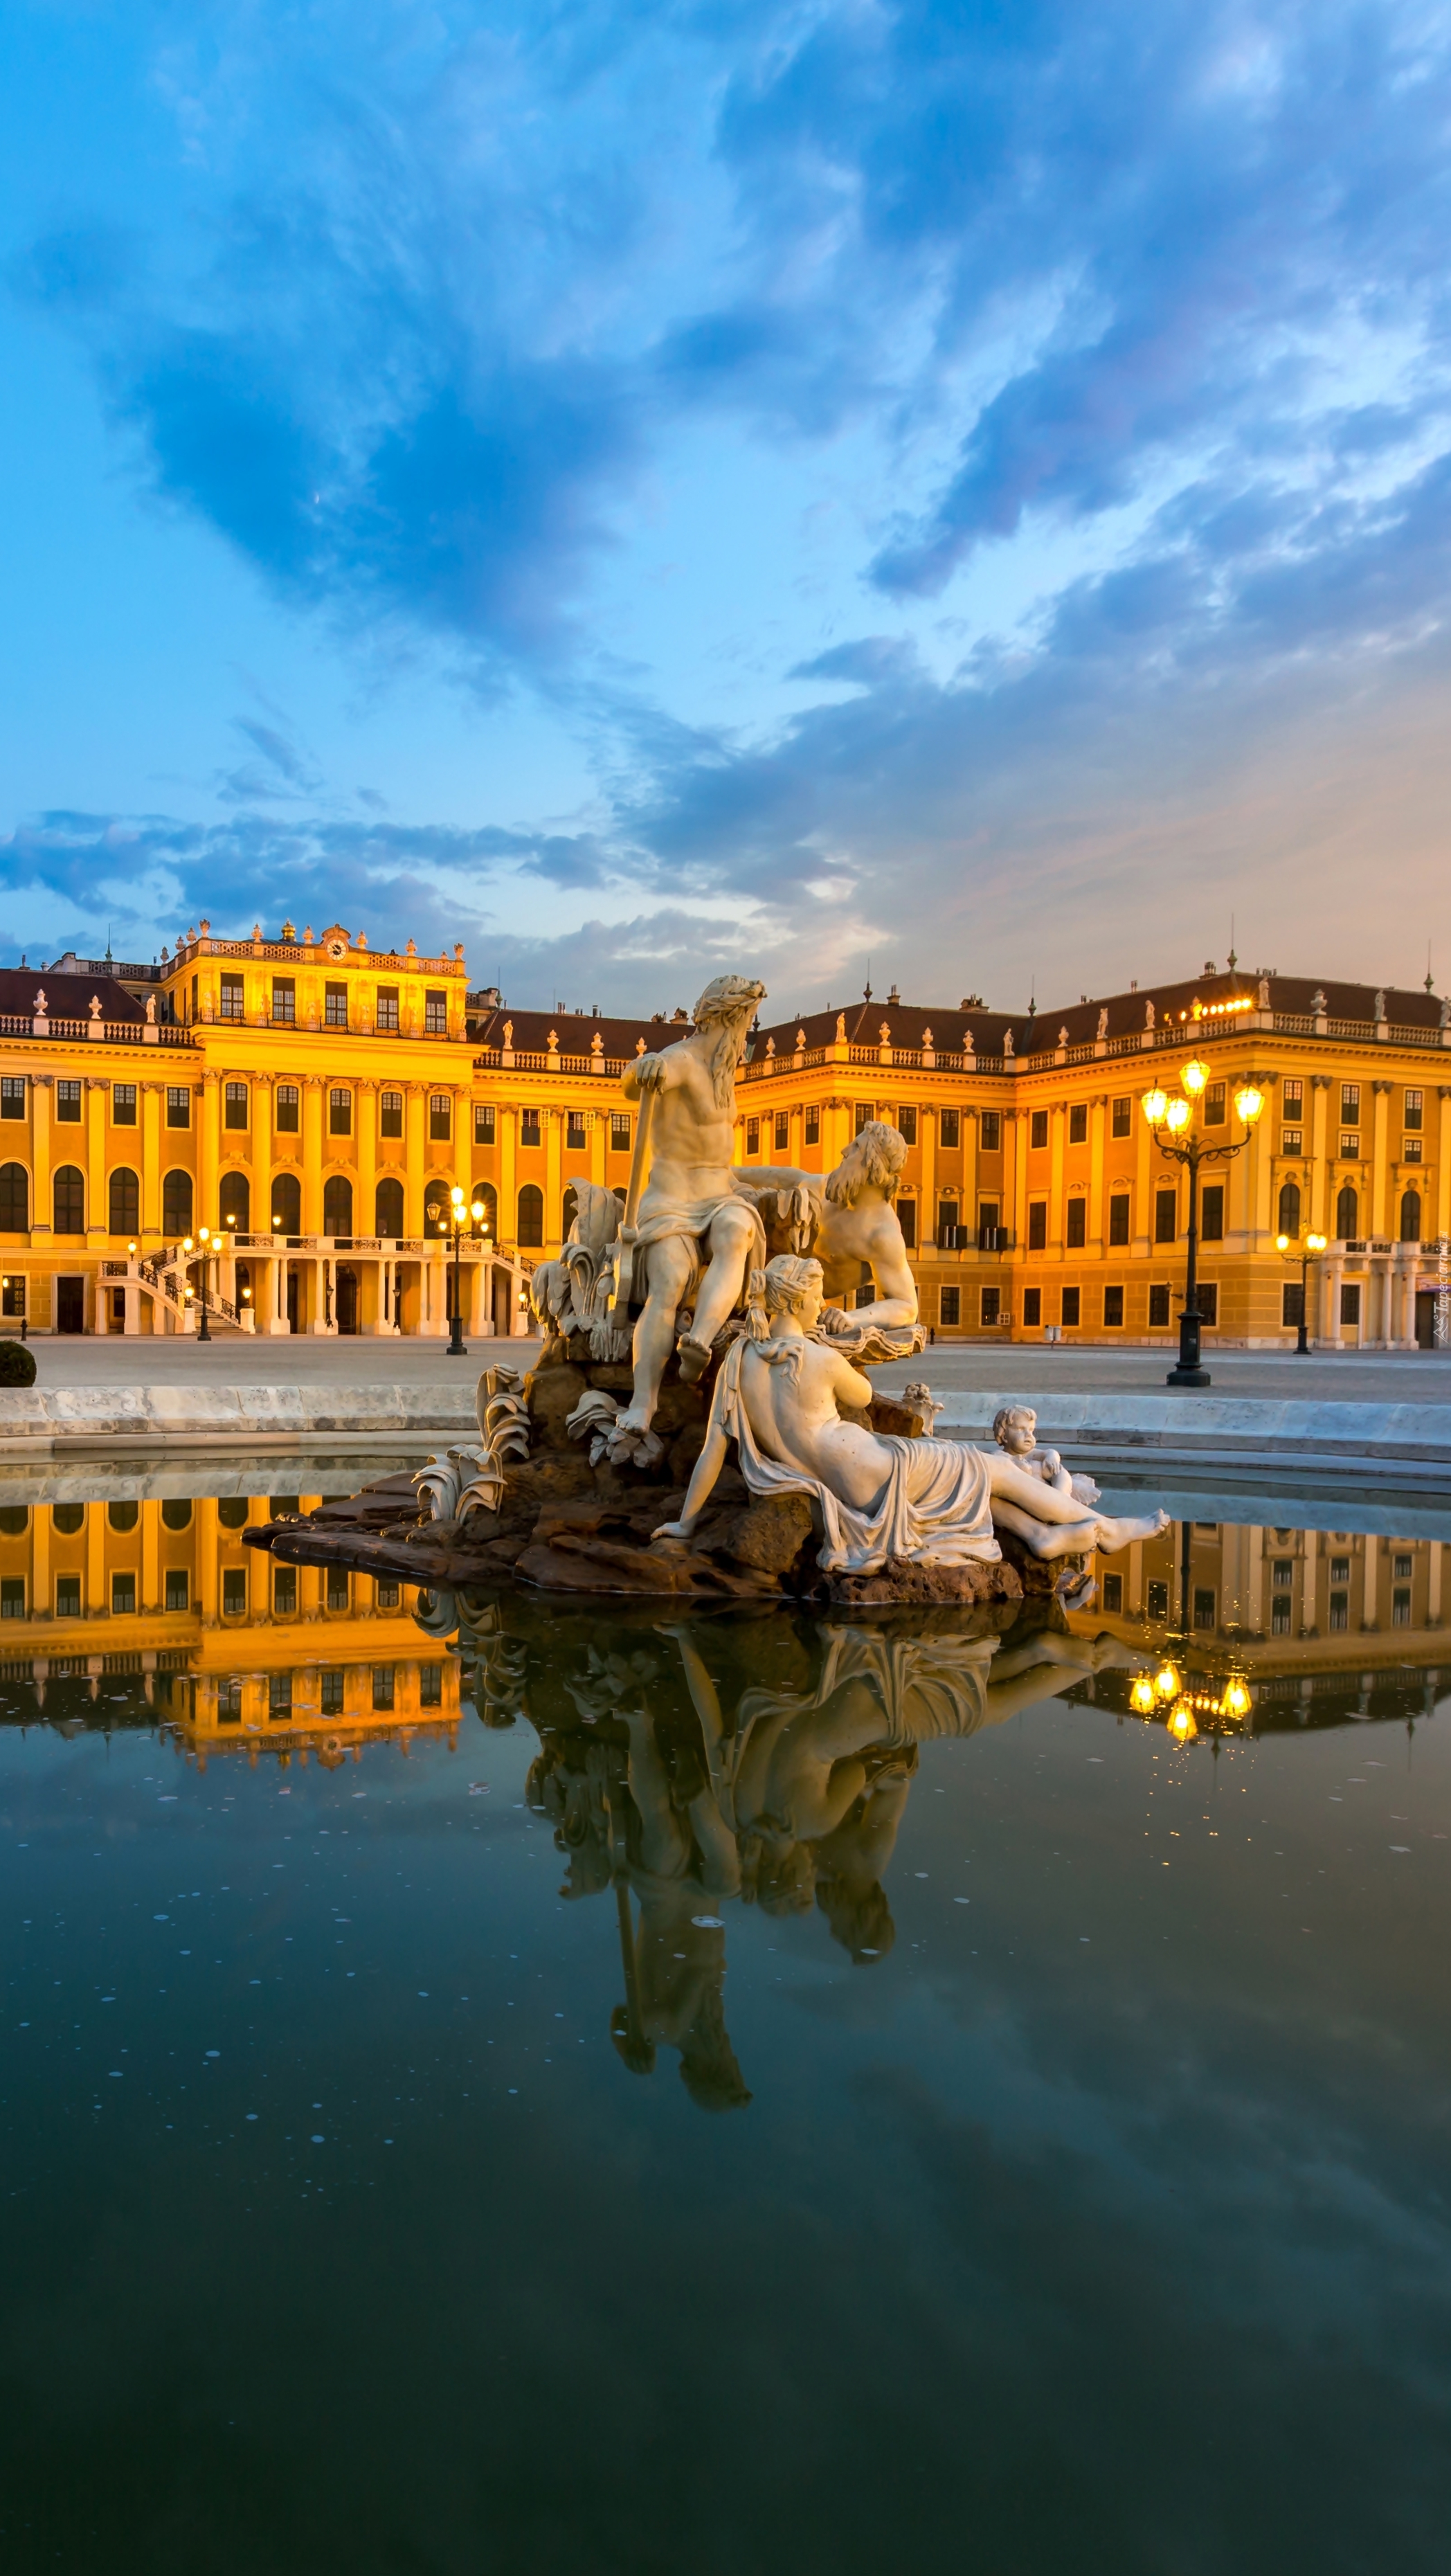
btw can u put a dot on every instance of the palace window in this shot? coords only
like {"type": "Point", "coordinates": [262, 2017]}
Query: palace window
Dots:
{"type": "Point", "coordinates": [390, 1113]}
{"type": "Point", "coordinates": [1077, 1234]}
{"type": "Point", "coordinates": [949, 1130]}
{"type": "Point", "coordinates": [1339, 1611]}
{"type": "Point", "coordinates": [123, 1104]}
{"type": "Point", "coordinates": [947, 1222]}
{"type": "Point", "coordinates": [123, 1596]}
{"type": "Point", "coordinates": [1037, 1225]}
{"type": "Point", "coordinates": [12, 1095]}
{"type": "Point", "coordinates": [234, 998]}
{"type": "Point", "coordinates": [907, 1219]}
{"type": "Point", "coordinates": [1347, 1216]}
{"type": "Point", "coordinates": [990, 1129]}
{"type": "Point", "coordinates": [14, 1209]}
{"type": "Point", "coordinates": [1157, 1600]}
{"type": "Point", "coordinates": [1215, 1112]}
{"type": "Point", "coordinates": [1211, 1224]}
{"type": "Point", "coordinates": [1113, 1592]}
{"type": "Point", "coordinates": [287, 1115]}
{"type": "Point", "coordinates": [1032, 1307]}
{"type": "Point", "coordinates": [619, 1131]}
{"type": "Point", "coordinates": [1203, 1608]}
{"type": "Point", "coordinates": [529, 1127]}
{"type": "Point", "coordinates": [1411, 1216]}
{"type": "Point", "coordinates": [337, 1206]}
{"type": "Point", "coordinates": [1401, 1569]}
{"type": "Point", "coordinates": [531, 1217]}
{"type": "Point", "coordinates": [992, 1305]}
{"type": "Point", "coordinates": [1350, 1104]}
{"type": "Point", "coordinates": [234, 1203]}
{"type": "Point", "coordinates": [177, 1588]}
{"type": "Point", "coordinates": [435, 1015]}
{"type": "Point", "coordinates": [68, 1103]}
{"type": "Point", "coordinates": [1401, 1608]}
{"type": "Point", "coordinates": [1072, 1306]}
{"type": "Point", "coordinates": [335, 1006]}
{"type": "Point", "coordinates": [907, 1124]}
{"type": "Point", "coordinates": [440, 1117]}
{"type": "Point", "coordinates": [125, 1203]}
{"type": "Point", "coordinates": [388, 1209]}
{"type": "Point", "coordinates": [1118, 1217]}
{"type": "Point", "coordinates": [783, 1132]}
{"type": "Point", "coordinates": [430, 1686]}
{"type": "Point", "coordinates": [1078, 1123]}
{"type": "Point", "coordinates": [753, 1135]}
{"type": "Point", "coordinates": [284, 1001]}
{"type": "Point", "coordinates": [1158, 1308]}
{"type": "Point", "coordinates": [1292, 1305]}
{"type": "Point", "coordinates": [1412, 1149]}
{"type": "Point", "coordinates": [331, 1679]}
{"type": "Point", "coordinates": [813, 1126]}
{"type": "Point", "coordinates": [863, 1115]}
{"type": "Point", "coordinates": [234, 1592]}
{"type": "Point", "coordinates": [1350, 1148]}
{"type": "Point", "coordinates": [286, 1209]}
{"type": "Point", "coordinates": [1113, 1308]}
{"type": "Point", "coordinates": [1208, 1295]}
{"type": "Point", "coordinates": [340, 1112]}
{"type": "Point", "coordinates": [1038, 1129]}
{"type": "Point", "coordinates": [68, 1194]}
{"type": "Point", "coordinates": [284, 1599]}
{"type": "Point", "coordinates": [382, 1686]}
{"type": "Point", "coordinates": [1122, 1122]}
{"type": "Point", "coordinates": [574, 1138]}
{"type": "Point", "coordinates": [1292, 1140]}
{"type": "Point", "coordinates": [1166, 1216]}
{"type": "Point", "coordinates": [388, 1593]}
{"type": "Point", "coordinates": [387, 1019]}
{"type": "Point", "coordinates": [1415, 1108]}
{"type": "Point", "coordinates": [178, 1105]}
{"type": "Point", "coordinates": [176, 1203]}
{"type": "Point", "coordinates": [483, 1122]}
{"type": "Point", "coordinates": [234, 1106]}
{"type": "Point", "coordinates": [68, 1596]}
{"type": "Point", "coordinates": [1292, 1093]}
{"type": "Point", "coordinates": [949, 1307]}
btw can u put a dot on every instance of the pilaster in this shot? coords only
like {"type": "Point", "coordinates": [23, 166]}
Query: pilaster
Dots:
{"type": "Point", "coordinates": [415, 1117]}
{"type": "Point", "coordinates": [312, 1098]}
{"type": "Point", "coordinates": [98, 1101]}
{"type": "Point", "coordinates": [209, 1155]}
{"type": "Point", "coordinates": [365, 1120]}
{"type": "Point", "coordinates": [1379, 1148]}
{"type": "Point", "coordinates": [553, 1178]}
{"type": "Point", "coordinates": [151, 1096]}
{"type": "Point", "coordinates": [508, 1132]}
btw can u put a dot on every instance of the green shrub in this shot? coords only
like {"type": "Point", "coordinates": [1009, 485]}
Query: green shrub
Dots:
{"type": "Point", "coordinates": [17, 1364]}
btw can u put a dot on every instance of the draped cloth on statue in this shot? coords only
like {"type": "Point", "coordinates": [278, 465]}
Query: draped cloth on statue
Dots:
{"type": "Point", "coordinates": [935, 1507]}
{"type": "Point", "coordinates": [663, 1219]}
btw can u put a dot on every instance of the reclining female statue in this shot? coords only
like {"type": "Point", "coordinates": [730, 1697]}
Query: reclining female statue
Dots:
{"type": "Point", "coordinates": [781, 1394]}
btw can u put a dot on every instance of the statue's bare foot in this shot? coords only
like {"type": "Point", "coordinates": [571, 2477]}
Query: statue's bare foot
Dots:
{"type": "Point", "coordinates": [1114, 1534]}
{"type": "Point", "coordinates": [632, 1443]}
{"type": "Point", "coordinates": [694, 1358]}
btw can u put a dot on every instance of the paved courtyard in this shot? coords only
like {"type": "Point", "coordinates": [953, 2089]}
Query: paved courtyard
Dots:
{"type": "Point", "coordinates": [1378, 1377]}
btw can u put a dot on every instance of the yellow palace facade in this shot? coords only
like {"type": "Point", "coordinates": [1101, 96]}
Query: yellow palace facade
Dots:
{"type": "Point", "coordinates": [313, 1103]}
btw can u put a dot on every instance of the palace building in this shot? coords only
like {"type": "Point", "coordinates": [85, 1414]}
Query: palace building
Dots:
{"type": "Point", "coordinates": [313, 1103]}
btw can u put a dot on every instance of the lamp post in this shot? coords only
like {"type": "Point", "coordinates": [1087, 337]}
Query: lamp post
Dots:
{"type": "Point", "coordinates": [1292, 1252]}
{"type": "Point", "coordinates": [1178, 1137]}
{"type": "Point", "coordinates": [205, 1333]}
{"type": "Point", "coordinates": [461, 1213]}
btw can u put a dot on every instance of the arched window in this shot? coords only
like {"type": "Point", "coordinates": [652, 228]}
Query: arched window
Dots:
{"type": "Point", "coordinates": [1411, 1217]}
{"type": "Point", "coordinates": [176, 1203]}
{"type": "Point", "coordinates": [1290, 1209]}
{"type": "Point", "coordinates": [388, 1209]}
{"type": "Point", "coordinates": [125, 1197]}
{"type": "Point", "coordinates": [70, 1201]}
{"type": "Point", "coordinates": [488, 1198]}
{"type": "Point", "coordinates": [571, 1211]}
{"type": "Point", "coordinates": [235, 1201]}
{"type": "Point", "coordinates": [286, 1208]}
{"type": "Point", "coordinates": [14, 1199]}
{"type": "Point", "coordinates": [435, 1205]}
{"type": "Point", "coordinates": [337, 1205]}
{"type": "Point", "coordinates": [1347, 1212]}
{"type": "Point", "coordinates": [531, 1216]}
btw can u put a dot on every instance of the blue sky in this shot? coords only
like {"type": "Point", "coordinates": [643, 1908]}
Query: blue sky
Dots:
{"type": "Point", "coordinates": [641, 488]}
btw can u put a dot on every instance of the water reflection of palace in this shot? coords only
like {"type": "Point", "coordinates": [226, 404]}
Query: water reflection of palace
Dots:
{"type": "Point", "coordinates": [1279, 1590]}
{"type": "Point", "coordinates": [132, 1611]}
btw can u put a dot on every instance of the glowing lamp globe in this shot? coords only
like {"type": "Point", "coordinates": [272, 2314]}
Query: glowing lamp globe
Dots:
{"type": "Point", "coordinates": [1248, 1102]}
{"type": "Point", "coordinates": [1194, 1076]}
{"type": "Point", "coordinates": [1156, 1107]}
{"type": "Point", "coordinates": [1177, 1116]}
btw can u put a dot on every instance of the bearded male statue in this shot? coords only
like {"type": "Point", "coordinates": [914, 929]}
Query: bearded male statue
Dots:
{"type": "Point", "coordinates": [693, 1236]}
{"type": "Point", "coordinates": [847, 1220]}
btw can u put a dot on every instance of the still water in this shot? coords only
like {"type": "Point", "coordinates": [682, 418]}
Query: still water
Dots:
{"type": "Point", "coordinates": [490, 2083]}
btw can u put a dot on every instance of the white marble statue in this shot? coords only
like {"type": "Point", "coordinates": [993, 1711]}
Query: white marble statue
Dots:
{"type": "Point", "coordinates": [781, 1395]}
{"type": "Point", "coordinates": [1015, 1428]}
{"type": "Point", "coordinates": [692, 1236]}
{"type": "Point", "coordinates": [844, 1220]}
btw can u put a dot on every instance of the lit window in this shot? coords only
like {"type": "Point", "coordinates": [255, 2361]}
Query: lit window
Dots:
{"type": "Point", "coordinates": [178, 1105]}
{"type": "Point", "coordinates": [387, 1018]}
{"type": "Point", "coordinates": [440, 1117]}
{"type": "Point", "coordinates": [390, 1113]}
{"type": "Point", "coordinates": [233, 1004]}
{"type": "Point", "coordinates": [619, 1131]}
{"type": "Point", "coordinates": [284, 1001]}
{"type": "Point", "coordinates": [528, 1126]}
{"type": "Point", "coordinates": [949, 1130]}
{"type": "Point", "coordinates": [234, 1106]}
{"type": "Point", "coordinates": [990, 1130]}
{"type": "Point", "coordinates": [1078, 1123]}
{"type": "Point", "coordinates": [574, 1137]}
{"type": "Point", "coordinates": [335, 1006]}
{"type": "Point", "coordinates": [435, 1015]}
{"type": "Point", "coordinates": [68, 1103]}
{"type": "Point", "coordinates": [287, 1099]}
{"type": "Point", "coordinates": [123, 1104]}
{"type": "Point", "coordinates": [1038, 1129]}
{"type": "Point", "coordinates": [340, 1113]}
{"type": "Point", "coordinates": [12, 1094]}
{"type": "Point", "coordinates": [949, 1307]}
{"type": "Point", "coordinates": [483, 1122]}
{"type": "Point", "coordinates": [1123, 1119]}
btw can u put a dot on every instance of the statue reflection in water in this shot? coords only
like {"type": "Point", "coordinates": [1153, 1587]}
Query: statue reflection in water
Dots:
{"type": "Point", "coordinates": [681, 1783]}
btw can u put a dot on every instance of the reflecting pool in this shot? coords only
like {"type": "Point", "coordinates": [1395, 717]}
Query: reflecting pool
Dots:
{"type": "Point", "coordinates": [489, 2081]}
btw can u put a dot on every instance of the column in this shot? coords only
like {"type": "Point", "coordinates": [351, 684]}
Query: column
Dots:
{"type": "Point", "coordinates": [40, 1206]}
{"type": "Point", "coordinates": [1097, 1122]}
{"type": "Point", "coordinates": [98, 1101]}
{"type": "Point", "coordinates": [1056, 1127]}
{"type": "Point", "coordinates": [971, 1132]}
{"type": "Point", "coordinates": [1014, 1128]}
{"type": "Point", "coordinates": [1308, 1577]}
{"type": "Point", "coordinates": [208, 1566]}
{"type": "Point", "coordinates": [1380, 1117]}
{"type": "Point", "coordinates": [150, 1165]}
{"type": "Point", "coordinates": [150, 1556]}
{"type": "Point", "coordinates": [1317, 1216]}
{"type": "Point", "coordinates": [41, 1603]}
{"type": "Point", "coordinates": [598, 1132]}
{"type": "Point", "coordinates": [475, 1289]}
{"type": "Point", "coordinates": [261, 1163]}
{"type": "Point", "coordinates": [1256, 1541]}
{"type": "Point", "coordinates": [97, 1599]}
{"type": "Point", "coordinates": [1370, 1571]}
{"type": "Point", "coordinates": [312, 1095]}
{"type": "Point", "coordinates": [1134, 1588]}
{"type": "Point", "coordinates": [321, 1319]}
{"type": "Point", "coordinates": [414, 1120]}
{"type": "Point", "coordinates": [927, 1130]}
{"type": "Point", "coordinates": [508, 1133]}
{"type": "Point", "coordinates": [365, 1111]}
{"type": "Point", "coordinates": [1334, 1273]}
{"type": "Point", "coordinates": [209, 1153]}
{"type": "Point", "coordinates": [1143, 1242]}
{"type": "Point", "coordinates": [553, 1178]}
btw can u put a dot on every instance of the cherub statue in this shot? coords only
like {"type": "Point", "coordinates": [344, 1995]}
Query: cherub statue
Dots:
{"type": "Point", "coordinates": [852, 1221]}
{"type": "Point", "coordinates": [1015, 1429]}
{"type": "Point", "coordinates": [781, 1395]}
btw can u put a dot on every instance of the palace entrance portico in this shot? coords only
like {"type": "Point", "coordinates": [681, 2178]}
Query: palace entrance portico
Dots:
{"type": "Point", "coordinates": [329, 1284]}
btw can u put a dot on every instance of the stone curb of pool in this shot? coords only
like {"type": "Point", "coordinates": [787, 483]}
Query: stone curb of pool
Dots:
{"type": "Point", "coordinates": [1338, 1437]}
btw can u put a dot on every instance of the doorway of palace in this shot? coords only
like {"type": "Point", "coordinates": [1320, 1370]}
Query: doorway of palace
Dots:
{"type": "Point", "coordinates": [294, 1295]}
{"type": "Point", "coordinates": [503, 1291]}
{"type": "Point", "coordinates": [1425, 1319]}
{"type": "Point", "coordinates": [70, 1305]}
{"type": "Point", "coordinates": [346, 1298]}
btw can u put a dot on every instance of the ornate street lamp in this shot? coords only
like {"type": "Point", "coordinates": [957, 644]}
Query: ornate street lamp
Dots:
{"type": "Point", "coordinates": [205, 1333]}
{"type": "Point", "coordinates": [1173, 1122]}
{"type": "Point", "coordinates": [461, 1213]}
{"type": "Point", "coordinates": [1292, 1252]}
